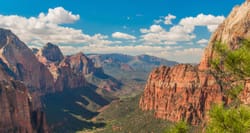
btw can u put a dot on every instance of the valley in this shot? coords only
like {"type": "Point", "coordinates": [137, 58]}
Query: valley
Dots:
{"type": "Point", "coordinates": [107, 79]}
{"type": "Point", "coordinates": [58, 87]}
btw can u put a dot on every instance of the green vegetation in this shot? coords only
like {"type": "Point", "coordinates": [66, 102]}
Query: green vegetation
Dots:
{"type": "Point", "coordinates": [235, 62]}
{"type": "Point", "coordinates": [180, 127]}
{"type": "Point", "coordinates": [124, 116]}
{"type": "Point", "coordinates": [232, 120]}
{"type": "Point", "coordinates": [233, 68]}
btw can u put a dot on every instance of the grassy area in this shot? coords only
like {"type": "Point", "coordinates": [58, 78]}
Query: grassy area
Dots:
{"type": "Point", "coordinates": [124, 116]}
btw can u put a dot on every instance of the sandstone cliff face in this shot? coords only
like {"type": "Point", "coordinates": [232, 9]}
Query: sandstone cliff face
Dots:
{"type": "Point", "coordinates": [235, 28]}
{"type": "Point", "coordinates": [23, 64]}
{"type": "Point", "coordinates": [187, 92]}
{"type": "Point", "coordinates": [181, 92]}
{"type": "Point", "coordinates": [17, 114]}
{"type": "Point", "coordinates": [52, 53]}
{"type": "Point", "coordinates": [67, 78]}
{"type": "Point", "coordinates": [81, 63]}
{"type": "Point", "coordinates": [68, 72]}
{"type": "Point", "coordinates": [22, 80]}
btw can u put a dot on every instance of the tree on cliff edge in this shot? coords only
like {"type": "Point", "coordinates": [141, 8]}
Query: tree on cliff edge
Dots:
{"type": "Point", "coordinates": [233, 69]}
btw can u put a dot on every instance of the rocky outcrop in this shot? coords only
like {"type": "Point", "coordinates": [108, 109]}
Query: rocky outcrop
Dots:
{"type": "Point", "coordinates": [81, 63]}
{"type": "Point", "coordinates": [69, 71]}
{"type": "Point", "coordinates": [22, 63]}
{"type": "Point", "coordinates": [187, 92]}
{"type": "Point", "coordinates": [181, 92]}
{"type": "Point", "coordinates": [17, 112]}
{"type": "Point", "coordinates": [52, 53]}
{"type": "Point", "coordinates": [234, 29]}
{"type": "Point", "coordinates": [67, 78]}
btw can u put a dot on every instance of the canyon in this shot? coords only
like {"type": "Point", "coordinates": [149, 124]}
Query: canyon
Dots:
{"type": "Point", "coordinates": [42, 90]}
{"type": "Point", "coordinates": [43, 85]}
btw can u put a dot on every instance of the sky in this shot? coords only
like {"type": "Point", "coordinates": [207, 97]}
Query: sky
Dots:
{"type": "Point", "coordinates": [171, 29]}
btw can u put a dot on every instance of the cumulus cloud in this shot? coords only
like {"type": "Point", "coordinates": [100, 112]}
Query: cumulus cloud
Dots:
{"type": "Point", "coordinates": [58, 15]}
{"type": "Point", "coordinates": [169, 18]}
{"type": "Point", "coordinates": [166, 20]}
{"type": "Point", "coordinates": [158, 35]}
{"type": "Point", "coordinates": [120, 35]}
{"type": "Point", "coordinates": [202, 41]}
{"type": "Point", "coordinates": [210, 21]}
{"type": "Point", "coordinates": [46, 28]}
{"type": "Point", "coordinates": [181, 32]}
{"type": "Point", "coordinates": [49, 27]}
{"type": "Point", "coordinates": [188, 55]}
{"type": "Point", "coordinates": [153, 29]}
{"type": "Point", "coordinates": [158, 21]}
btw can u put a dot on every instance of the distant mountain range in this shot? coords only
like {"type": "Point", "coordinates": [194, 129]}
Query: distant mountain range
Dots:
{"type": "Point", "coordinates": [116, 64]}
{"type": "Point", "coordinates": [131, 71]}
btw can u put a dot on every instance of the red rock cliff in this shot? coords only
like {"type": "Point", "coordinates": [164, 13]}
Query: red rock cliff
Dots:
{"type": "Point", "coordinates": [69, 71]}
{"type": "Point", "coordinates": [181, 92]}
{"type": "Point", "coordinates": [17, 113]}
{"type": "Point", "coordinates": [187, 92]}
{"type": "Point", "coordinates": [23, 64]}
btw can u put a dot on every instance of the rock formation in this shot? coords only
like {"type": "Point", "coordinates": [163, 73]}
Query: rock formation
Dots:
{"type": "Point", "coordinates": [62, 69]}
{"type": "Point", "coordinates": [70, 71]}
{"type": "Point", "coordinates": [81, 63]}
{"type": "Point", "coordinates": [22, 79]}
{"type": "Point", "coordinates": [181, 92]}
{"type": "Point", "coordinates": [23, 64]}
{"type": "Point", "coordinates": [17, 112]}
{"type": "Point", "coordinates": [234, 29]}
{"type": "Point", "coordinates": [52, 53]}
{"type": "Point", "coordinates": [67, 78]}
{"type": "Point", "coordinates": [187, 92]}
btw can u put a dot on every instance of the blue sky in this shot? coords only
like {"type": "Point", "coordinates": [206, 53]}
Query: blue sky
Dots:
{"type": "Point", "coordinates": [172, 29]}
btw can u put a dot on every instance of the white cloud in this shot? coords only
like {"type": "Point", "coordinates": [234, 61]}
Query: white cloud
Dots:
{"type": "Point", "coordinates": [189, 55]}
{"type": "Point", "coordinates": [58, 15]}
{"type": "Point", "coordinates": [120, 35]}
{"type": "Point", "coordinates": [158, 21]}
{"type": "Point", "coordinates": [153, 29]}
{"type": "Point", "coordinates": [202, 41]}
{"type": "Point", "coordinates": [157, 35]}
{"type": "Point", "coordinates": [46, 28]}
{"type": "Point", "coordinates": [133, 50]}
{"type": "Point", "coordinates": [181, 32]}
{"type": "Point", "coordinates": [210, 21]}
{"type": "Point", "coordinates": [169, 18]}
{"type": "Point", "coordinates": [166, 20]}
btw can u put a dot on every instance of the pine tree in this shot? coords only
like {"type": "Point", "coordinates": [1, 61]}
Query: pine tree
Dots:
{"type": "Point", "coordinates": [233, 69]}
